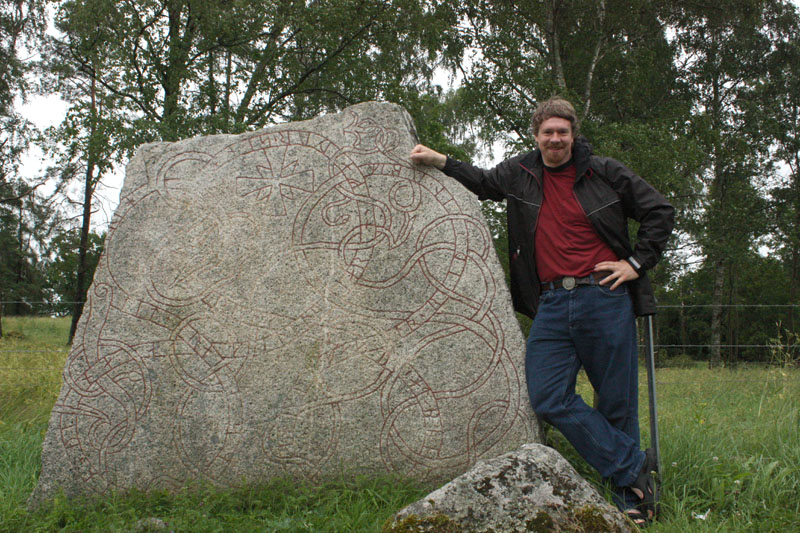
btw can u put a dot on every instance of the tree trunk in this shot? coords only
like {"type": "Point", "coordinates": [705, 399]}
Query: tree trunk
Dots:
{"type": "Point", "coordinates": [20, 264]}
{"type": "Point", "coordinates": [598, 47]}
{"type": "Point", "coordinates": [793, 286]}
{"type": "Point", "coordinates": [716, 312]}
{"type": "Point", "coordinates": [228, 85]}
{"type": "Point", "coordinates": [213, 95]}
{"type": "Point", "coordinates": [176, 67]}
{"type": "Point", "coordinates": [555, 46]}
{"type": "Point", "coordinates": [732, 353]}
{"type": "Point", "coordinates": [794, 278]}
{"type": "Point", "coordinates": [714, 233]}
{"type": "Point", "coordinates": [794, 239]}
{"type": "Point", "coordinates": [682, 323]}
{"type": "Point", "coordinates": [88, 193]}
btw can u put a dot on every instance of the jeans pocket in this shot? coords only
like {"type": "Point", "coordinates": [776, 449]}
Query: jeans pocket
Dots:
{"type": "Point", "coordinates": [622, 290]}
{"type": "Point", "coordinates": [544, 296]}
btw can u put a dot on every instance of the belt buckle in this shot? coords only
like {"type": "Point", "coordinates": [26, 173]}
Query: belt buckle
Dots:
{"type": "Point", "coordinates": [568, 282]}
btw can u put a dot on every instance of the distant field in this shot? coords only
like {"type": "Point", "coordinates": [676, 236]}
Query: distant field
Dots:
{"type": "Point", "coordinates": [730, 441]}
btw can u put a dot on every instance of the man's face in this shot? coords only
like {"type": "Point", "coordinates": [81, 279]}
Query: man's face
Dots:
{"type": "Point", "coordinates": [555, 141]}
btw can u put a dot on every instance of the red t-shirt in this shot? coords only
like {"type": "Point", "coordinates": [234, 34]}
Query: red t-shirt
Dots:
{"type": "Point", "coordinates": [566, 242]}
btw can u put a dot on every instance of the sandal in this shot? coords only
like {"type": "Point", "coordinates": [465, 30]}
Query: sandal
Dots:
{"type": "Point", "coordinates": [645, 488]}
{"type": "Point", "coordinates": [638, 518]}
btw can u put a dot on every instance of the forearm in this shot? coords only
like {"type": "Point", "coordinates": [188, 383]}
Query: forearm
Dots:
{"type": "Point", "coordinates": [487, 184]}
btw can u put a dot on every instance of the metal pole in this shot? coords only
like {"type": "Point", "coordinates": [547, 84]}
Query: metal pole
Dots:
{"type": "Point", "coordinates": [651, 389]}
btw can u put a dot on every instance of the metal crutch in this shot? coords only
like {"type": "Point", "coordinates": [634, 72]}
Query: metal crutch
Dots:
{"type": "Point", "coordinates": [651, 390]}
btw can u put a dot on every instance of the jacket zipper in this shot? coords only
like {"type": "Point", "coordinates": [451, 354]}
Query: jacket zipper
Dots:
{"type": "Point", "coordinates": [601, 207]}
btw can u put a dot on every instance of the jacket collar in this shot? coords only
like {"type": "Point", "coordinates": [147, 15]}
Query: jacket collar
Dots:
{"type": "Point", "coordinates": [581, 155]}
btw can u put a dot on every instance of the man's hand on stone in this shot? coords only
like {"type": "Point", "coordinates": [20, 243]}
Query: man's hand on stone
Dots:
{"type": "Point", "coordinates": [621, 271]}
{"type": "Point", "coordinates": [422, 155]}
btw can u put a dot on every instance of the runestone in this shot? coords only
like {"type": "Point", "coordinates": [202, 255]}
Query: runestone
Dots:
{"type": "Point", "coordinates": [300, 301]}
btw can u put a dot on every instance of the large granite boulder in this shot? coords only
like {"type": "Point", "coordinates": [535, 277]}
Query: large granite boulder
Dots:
{"type": "Point", "coordinates": [298, 301]}
{"type": "Point", "coordinates": [530, 489]}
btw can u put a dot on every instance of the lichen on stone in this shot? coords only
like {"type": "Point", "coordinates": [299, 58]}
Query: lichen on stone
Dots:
{"type": "Point", "coordinates": [484, 486]}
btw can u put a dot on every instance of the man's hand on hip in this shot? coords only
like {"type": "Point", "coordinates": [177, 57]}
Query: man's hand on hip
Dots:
{"type": "Point", "coordinates": [621, 271]}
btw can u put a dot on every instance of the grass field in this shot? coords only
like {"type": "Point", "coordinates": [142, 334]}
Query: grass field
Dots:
{"type": "Point", "coordinates": [730, 444]}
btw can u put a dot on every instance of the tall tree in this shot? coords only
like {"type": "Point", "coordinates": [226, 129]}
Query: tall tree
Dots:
{"type": "Point", "coordinates": [189, 67]}
{"type": "Point", "coordinates": [723, 47]}
{"type": "Point", "coordinates": [21, 24]}
{"type": "Point", "coordinates": [23, 229]}
{"type": "Point", "coordinates": [95, 132]}
{"type": "Point", "coordinates": [773, 108]}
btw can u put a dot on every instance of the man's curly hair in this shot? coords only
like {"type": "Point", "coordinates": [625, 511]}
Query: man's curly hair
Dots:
{"type": "Point", "coordinates": [555, 107]}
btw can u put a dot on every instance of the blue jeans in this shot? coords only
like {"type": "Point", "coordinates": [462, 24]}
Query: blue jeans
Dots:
{"type": "Point", "coordinates": [592, 327]}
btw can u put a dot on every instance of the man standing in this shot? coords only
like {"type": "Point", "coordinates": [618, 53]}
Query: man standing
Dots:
{"type": "Point", "coordinates": [574, 271]}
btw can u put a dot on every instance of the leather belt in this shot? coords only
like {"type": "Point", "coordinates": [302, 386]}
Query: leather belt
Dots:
{"type": "Point", "coordinates": [570, 282]}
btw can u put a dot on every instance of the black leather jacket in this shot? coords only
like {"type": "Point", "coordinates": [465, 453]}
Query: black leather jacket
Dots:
{"type": "Point", "coordinates": [609, 194]}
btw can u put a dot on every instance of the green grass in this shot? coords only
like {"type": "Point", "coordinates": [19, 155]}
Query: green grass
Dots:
{"type": "Point", "coordinates": [730, 445]}
{"type": "Point", "coordinates": [730, 448]}
{"type": "Point", "coordinates": [32, 355]}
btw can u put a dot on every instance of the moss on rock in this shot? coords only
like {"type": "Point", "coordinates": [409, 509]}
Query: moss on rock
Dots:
{"type": "Point", "coordinates": [541, 523]}
{"type": "Point", "coordinates": [591, 520]}
{"type": "Point", "coordinates": [439, 523]}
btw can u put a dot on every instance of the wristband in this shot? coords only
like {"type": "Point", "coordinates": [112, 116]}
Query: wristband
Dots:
{"type": "Point", "coordinates": [635, 264]}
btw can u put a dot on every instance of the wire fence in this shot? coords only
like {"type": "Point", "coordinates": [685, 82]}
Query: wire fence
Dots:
{"type": "Point", "coordinates": [761, 349]}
